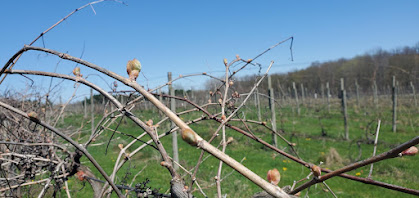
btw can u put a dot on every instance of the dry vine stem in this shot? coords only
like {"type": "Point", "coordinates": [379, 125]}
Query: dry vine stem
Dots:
{"type": "Point", "coordinates": [175, 176]}
{"type": "Point", "coordinates": [387, 155]}
{"type": "Point", "coordinates": [188, 134]}
{"type": "Point", "coordinates": [75, 144]}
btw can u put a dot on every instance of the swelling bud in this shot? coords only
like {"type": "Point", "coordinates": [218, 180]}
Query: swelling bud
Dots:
{"type": "Point", "coordinates": [274, 176]}
{"type": "Point", "coordinates": [133, 69]}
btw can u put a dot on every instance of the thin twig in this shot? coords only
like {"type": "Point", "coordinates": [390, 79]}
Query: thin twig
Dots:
{"type": "Point", "coordinates": [75, 144]}
{"type": "Point", "coordinates": [392, 153]}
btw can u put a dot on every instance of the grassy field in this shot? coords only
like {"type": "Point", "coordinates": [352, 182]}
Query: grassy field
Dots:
{"type": "Point", "coordinates": [317, 133]}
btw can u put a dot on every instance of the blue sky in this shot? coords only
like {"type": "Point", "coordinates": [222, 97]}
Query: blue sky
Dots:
{"type": "Point", "coordinates": [187, 37]}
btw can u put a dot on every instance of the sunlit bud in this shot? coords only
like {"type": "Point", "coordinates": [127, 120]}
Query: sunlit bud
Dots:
{"type": "Point", "coordinates": [121, 146]}
{"type": "Point", "coordinates": [249, 60]}
{"type": "Point", "coordinates": [237, 57]}
{"type": "Point", "coordinates": [163, 163]}
{"type": "Point", "coordinates": [223, 117]}
{"type": "Point", "coordinates": [204, 73]}
{"type": "Point", "coordinates": [189, 136]}
{"type": "Point", "coordinates": [317, 171]}
{"type": "Point", "coordinates": [76, 72]}
{"type": "Point", "coordinates": [274, 176]}
{"type": "Point", "coordinates": [225, 62]}
{"type": "Point", "coordinates": [220, 100]}
{"type": "Point", "coordinates": [149, 123]}
{"type": "Point", "coordinates": [133, 69]}
{"type": "Point", "coordinates": [410, 151]}
{"type": "Point", "coordinates": [80, 175]}
{"type": "Point", "coordinates": [33, 116]}
{"type": "Point", "coordinates": [231, 83]}
{"type": "Point", "coordinates": [235, 95]}
{"type": "Point", "coordinates": [230, 140]}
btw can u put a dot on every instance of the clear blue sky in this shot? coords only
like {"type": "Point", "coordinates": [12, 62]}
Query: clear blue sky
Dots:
{"type": "Point", "coordinates": [194, 36]}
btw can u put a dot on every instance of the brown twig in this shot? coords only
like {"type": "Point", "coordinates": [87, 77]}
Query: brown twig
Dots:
{"type": "Point", "coordinates": [187, 133]}
{"type": "Point", "coordinates": [72, 142]}
{"type": "Point", "coordinates": [387, 155]}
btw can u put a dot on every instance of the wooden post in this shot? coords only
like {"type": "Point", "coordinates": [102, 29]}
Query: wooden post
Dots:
{"type": "Point", "coordinates": [296, 98]}
{"type": "Point", "coordinates": [272, 107]}
{"type": "Point", "coordinates": [344, 110]}
{"type": "Point", "coordinates": [161, 100]}
{"type": "Point", "coordinates": [289, 95]}
{"type": "Point", "coordinates": [307, 95]}
{"type": "Point", "coordinates": [302, 93]}
{"type": "Point", "coordinates": [414, 93]}
{"type": "Point", "coordinates": [328, 96]}
{"type": "Point", "coordinates": [85, 107]}
{"type": "Point", "coordinates": [357, 92]}
{"type": "Point", "coordinates": [394, 91]}
{"type": "Point", "coordinates": [375, 95]}
{"type": "Point", "coordinates": [92, 109]}
{"type": "Point", "coordinates": [61, 105]}
{"type": "Point", "coordinates": [192, 96]}
{"type": "Point", "coordinates": [104, 104]}
{"type": "Point", "coordinates": [174, 134]}
{"type": "Point", "coordinates": [258, 104]}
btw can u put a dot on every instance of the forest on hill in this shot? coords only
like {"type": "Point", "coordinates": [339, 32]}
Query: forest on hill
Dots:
{"type": "Point", "coordinates": [377, 67]}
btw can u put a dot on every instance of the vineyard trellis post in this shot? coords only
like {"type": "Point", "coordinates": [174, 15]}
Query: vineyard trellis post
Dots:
{"type": "Point", "coordinates": [296, 98]}
{"type": "Point", "coordinates": [272, 107]}
{"type": "Point", "coordinates": [85, 107]}
{"type": "Point", "coordinates": [328, 96]}
{"type": "Point", "coordinates": [161, 99]}
{"type": "Point", "coordinates": [307, 95]}
{"type": "Point", "coordinates": [344, 108]}
{"type": "Point", "coordinates": [302, 94]}
{"type": "Point", "coordinates": [289, 96]}
{"type": "Point", "coordinates": [174, 134]}
{"type": "Point", "coordinates": [257, 102]}
{"type": "Point", "coordinates": [357, 92]}
{"type": "Point", "coordinates": [394, 91]}
{"type": "Point", "coordinates": [414, 93]}
{"type": "Point", "coordinates": [375, 95]}
{"type": "Point", "coordinates": [92, 109]}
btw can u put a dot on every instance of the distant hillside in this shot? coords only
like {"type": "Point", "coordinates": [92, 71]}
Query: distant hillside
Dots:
{"type": "Point", "coordinates": [378, 66]}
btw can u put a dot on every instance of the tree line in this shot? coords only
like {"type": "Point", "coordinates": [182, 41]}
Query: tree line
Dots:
{"type": "Point", "coordinates": [377, 67]}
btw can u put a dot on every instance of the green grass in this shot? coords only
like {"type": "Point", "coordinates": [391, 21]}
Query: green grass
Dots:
{"type": "Point", "coordinates": [305, 130]}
